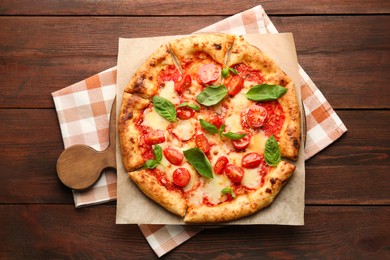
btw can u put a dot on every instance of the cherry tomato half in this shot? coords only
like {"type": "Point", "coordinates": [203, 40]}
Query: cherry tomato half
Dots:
{"type": "Point", "coordinates": [184, 83]}
{"type": "Point", "coordinates": [241, 144]}
{"type": "Point", "coordinates": [184, 113]}
{"type": "Point", "coordinates": [251, 160]}
{"type": "Point", "coordinates": [173, 156]}
{"type": "Point", "coordinates": [215, 120]}
{"type": "Point", "coordinates": [220, 164]}
{"type": "Point", "coordinates": [155, 137]}
{"type": "Point", "coordinates": [256, 116]}
{"type": "Point", "coordinates": [181, 177]}
{"type": "Point", "coordinates": [234, 173]}
{"type": "Point", "coordinates": [208, 73]}
{"type": "Point", "coordinates": [202, 143]}
{"type": "Point", "coordinates": [234, 84]}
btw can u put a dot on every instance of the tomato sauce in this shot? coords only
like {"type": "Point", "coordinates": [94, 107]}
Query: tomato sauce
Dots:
{"type": "Point", "coordinates": [206, 202]}
{"type": "Point", "coordinates": [249, 74]}
{"type": "Point", "coordinates": [275, 119]}
{"type": "Point", "coordinates": [146, 149]}
{"type": "Point", "coordinates": [163, 180]}
{"type": "Point", "coordinates": [167, 74]}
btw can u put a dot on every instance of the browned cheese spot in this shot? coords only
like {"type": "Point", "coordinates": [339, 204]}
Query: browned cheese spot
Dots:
{"type": "Point", "coordinates": [139, 84]}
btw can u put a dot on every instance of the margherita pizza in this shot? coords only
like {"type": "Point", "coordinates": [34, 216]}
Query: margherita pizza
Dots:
{"type": "Point", "coordinates": [204, 125]}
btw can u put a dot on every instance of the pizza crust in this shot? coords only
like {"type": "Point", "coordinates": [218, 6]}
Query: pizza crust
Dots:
{"type": "Point", "coordinates": [235, 209]}
{"type": "Point", "coordinates": [290, 136]}
{"type": "Point", "coordinates": [129, 135]}
{"type": "Point", "coordinates": [273, 183]}
{"type": "Point", "coordinates": [144, 82]}
{"type": "Point", "coordinates": [215, 45]}
{"type": "Point", "coordinates": [172, 200]}
{"type": "Point", "coordinates": [245, 204]}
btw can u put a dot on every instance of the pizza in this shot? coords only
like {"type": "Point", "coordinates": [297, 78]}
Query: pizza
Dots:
{"type": "Point", "coordinates": [209, 127]}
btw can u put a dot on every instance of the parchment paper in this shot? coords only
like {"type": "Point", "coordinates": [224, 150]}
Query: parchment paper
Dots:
{"type": "Point", "coordinates": [133, 207]}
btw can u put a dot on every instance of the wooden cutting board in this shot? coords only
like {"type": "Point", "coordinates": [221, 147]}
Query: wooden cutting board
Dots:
{"type": "Point", "coordinates": [80, 166]}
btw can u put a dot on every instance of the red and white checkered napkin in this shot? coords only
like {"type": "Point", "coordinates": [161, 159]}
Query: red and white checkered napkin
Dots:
{"type": "Point", "coordinates": [83, 113]}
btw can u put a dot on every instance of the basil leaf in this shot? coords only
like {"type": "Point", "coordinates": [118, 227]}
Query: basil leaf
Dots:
{"type": "Point", "coordinates": [233, 71]}
{"type": "Point", "coordinates": [157, 153]}
{"type": "Point", "coordinates": [208, 126]}
{"type": "Point", "coordinates": [221, 129]}
{"type": "Point", "coordinates": [151, 164]}
{"type": "Point", "coordinates": [265, 92]}
{"type": "Point", "coordinates": [164, 108]}
{"type": "Point", "coordinates": [199, 161]}
{"type": "Point", "coordinates": [272, 152]}
{"type": "Point", "coordinates": [233, 136]}
{"type": "Point", "coordinates": [192, 106]}
{"type": "Point", "coordinates": [226, 72]}
{"type": "Point", "coordinates": [212, 95]}
{"type": "Point", "coordinates": [228, 190]}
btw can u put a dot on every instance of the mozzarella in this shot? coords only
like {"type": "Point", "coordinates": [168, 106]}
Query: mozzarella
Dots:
{"type": "Point", "coordinates": [169, 92]}
{"type": "Point", "coordinates": [211, 189]}
{"type": "Point", "coordinates": [252, 178]}
{"type": "Point", "coordinates": [237, 104]}
{"type": "Point", "coordinates": [257, 143]}
{"type": "Point", "coordinates": [154, 120]}
{"type": "Point", "coordinates": [185, 129]}
{"type": "Point", "coordinates": [233, 122]}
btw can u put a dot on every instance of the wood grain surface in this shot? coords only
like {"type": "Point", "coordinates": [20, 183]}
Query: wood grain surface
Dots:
{"type": "Point", "coordinates": [46, 45]}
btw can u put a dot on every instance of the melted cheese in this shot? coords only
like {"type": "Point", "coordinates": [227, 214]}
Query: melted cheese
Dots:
{"type": "Point", "coordinates": [252, 178]}
{"type": "Point", "coordinates": [257, 143]}
{"type": "Point", "coordinates": [185, 129]}
{"type": "Point", "coordinates": [169, 92]}
{"type": "Point", "coordinates": [233, 122]}
{"type": "Point", "coordinates": [237, 104]}
{"type": "Point", "coordinates": [154, 120]}
{"type": "Point", "coordinates": [211, 189]}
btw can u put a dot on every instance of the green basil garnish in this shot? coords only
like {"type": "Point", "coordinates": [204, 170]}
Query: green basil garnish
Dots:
{"type": "Point", "coordinates": [151, 164]}
{"type": "Point", "coordinates": [211, 128]}
{"type": "Point", "coordinates": [226, 72]}
{"type": "Point", "coordinates": [212, 95]}
{"type": "Point", "coordinates": [228, 190]}
{"type": "Point", "coordinates": [272, 152]}
{"type": "Point", "coordinates": [221, 129]}
{"type": "Point", "coordinates": [164, 108]}
{"type": "Point", "coordinates": [199, 161]}
{"type": "Point", "coordinates": [157, 152]}
{"type": "Point", "coordinates": [233, 136]}
{"type": "Point", "coordinates": [265, 92]}
{"type": "Point", "coordinates": [192, 106]}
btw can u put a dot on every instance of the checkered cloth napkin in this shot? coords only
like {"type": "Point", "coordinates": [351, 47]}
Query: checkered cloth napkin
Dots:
{"type": "Point", "coordinates": [83, 112]}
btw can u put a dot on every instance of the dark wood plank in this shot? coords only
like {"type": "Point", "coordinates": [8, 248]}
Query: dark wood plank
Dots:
{"type": "Point", "coordinates": [201, 7]}
{"type": "Point", "coordinates": [347, 57]}
{"type": "Point", "coordinates": [336, 232]}
{"type": "Point", "coordinates": [60, 231]}
{"type": "Point", "coordinates": [40, 55]}
{"type": "Point", "coordinates": [31, 143]}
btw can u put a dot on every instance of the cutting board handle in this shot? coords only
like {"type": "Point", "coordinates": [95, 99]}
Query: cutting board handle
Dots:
{"type": "Point", "coordinates": [80, 166]}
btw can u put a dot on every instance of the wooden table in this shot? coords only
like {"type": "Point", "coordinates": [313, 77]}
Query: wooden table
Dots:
{"type": "Point", "coordinates": [49, 44]}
